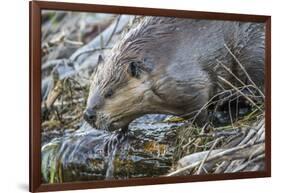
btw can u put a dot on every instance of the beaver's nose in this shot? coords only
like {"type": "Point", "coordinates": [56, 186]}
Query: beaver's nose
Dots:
{"type": "Point", "coordinates": [90, 116]}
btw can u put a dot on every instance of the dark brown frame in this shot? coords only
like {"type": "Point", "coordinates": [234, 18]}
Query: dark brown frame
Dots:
{"type": "Point", "coordinates": [35, 8]}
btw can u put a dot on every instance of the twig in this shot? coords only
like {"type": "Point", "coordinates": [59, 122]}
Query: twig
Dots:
{"type": "Point", "coordinates": [113, 31]}
{"type": "Point", "coordinates": [90, 50]}
{"type": "Point", "coordinates": [229, 71]}
{"type": "Point", "coordinates": [244, 70]}
{"type": "Point", "coordinates": [230, 113]}
{"type": "Point", "coordinates": [243, 166]}
{"type": "Point", "coordinates": [207, 155]}
{"type": "Point", "coordinates": [250, 100]}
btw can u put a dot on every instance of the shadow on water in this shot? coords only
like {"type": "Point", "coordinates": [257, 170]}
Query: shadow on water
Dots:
{"type": "Point", "coordinates": [146, 150]}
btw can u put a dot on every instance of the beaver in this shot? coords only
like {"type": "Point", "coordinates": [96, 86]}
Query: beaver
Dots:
{"type": "Point", "coordinates": [167, 65]}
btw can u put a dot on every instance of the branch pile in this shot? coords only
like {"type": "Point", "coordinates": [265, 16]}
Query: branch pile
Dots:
{"type": "Point", "coordinates": [73, 44]}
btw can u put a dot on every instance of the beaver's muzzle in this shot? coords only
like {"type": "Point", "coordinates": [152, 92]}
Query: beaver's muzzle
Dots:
{"type": "Point", "coordinates": [90, 116]}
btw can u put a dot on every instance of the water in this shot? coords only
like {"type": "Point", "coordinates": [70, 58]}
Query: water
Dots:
{"type": "Point", "coordinates": [111, 146]}
{"type": "Point", "coordinates": [90, 154]}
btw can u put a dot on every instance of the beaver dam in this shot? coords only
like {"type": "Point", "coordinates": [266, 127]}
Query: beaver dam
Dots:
{"type": "Point", "coordinates": [73, 45]}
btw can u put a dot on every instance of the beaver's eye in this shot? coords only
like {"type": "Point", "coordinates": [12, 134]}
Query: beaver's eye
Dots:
{"type": "Point", "coordinates": [109, 94]}
{"type": "Point", "coordinates": [134, 69]}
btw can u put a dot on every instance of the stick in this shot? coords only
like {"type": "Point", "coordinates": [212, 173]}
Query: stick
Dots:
{"type": "Point", "coordinates": [250, 100]}
{"type": "Point", "coordinates": [244, 70]}
{"type": "Point", "coordinates": [207, 155]}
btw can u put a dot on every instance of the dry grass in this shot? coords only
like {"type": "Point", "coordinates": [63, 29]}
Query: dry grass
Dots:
{"type": "Point", "coordinates": [233, 147]}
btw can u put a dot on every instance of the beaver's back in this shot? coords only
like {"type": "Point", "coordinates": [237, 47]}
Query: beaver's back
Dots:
{"type": "Point", "coordinates": [192, 48]}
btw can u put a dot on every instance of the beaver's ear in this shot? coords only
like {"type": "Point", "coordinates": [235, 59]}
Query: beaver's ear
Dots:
{"type": "Point", "coordinates": [136, 68]}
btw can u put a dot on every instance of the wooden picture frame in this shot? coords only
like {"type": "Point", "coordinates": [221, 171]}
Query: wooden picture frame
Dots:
{"type": "Point", "coordinates": [35, 8]}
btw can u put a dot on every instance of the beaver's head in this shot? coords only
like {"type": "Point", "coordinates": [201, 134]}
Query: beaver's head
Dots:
{"type": "Point", "coordinates": [131, 82]}
{"type": "Point", "coordinates": [120, 92]}
{"type": "Point", "coordinates": [118, 96]}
